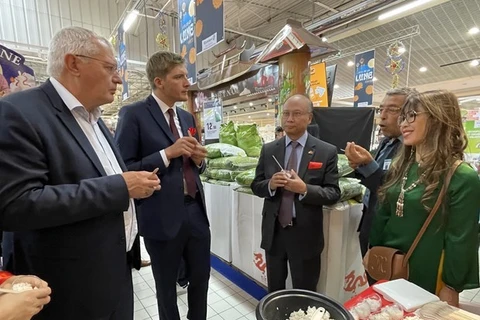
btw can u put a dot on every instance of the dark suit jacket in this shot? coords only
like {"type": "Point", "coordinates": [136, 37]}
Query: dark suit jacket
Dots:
{"type": "Point", "coordinates": [143, 131]}
{"type": "Point", "coordinates": [66, 213]}
{"type": "Point", "coordinates": [322, 189]}
{"type": "Point", "coordinates": [373, 183]}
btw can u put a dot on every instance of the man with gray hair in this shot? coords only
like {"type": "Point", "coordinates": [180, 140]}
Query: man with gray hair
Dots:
{"type": "Point", "coordinates": [371, 169]}
{"type": "Point", "coordinates": [156, 133]}
{"type": "Point", "coordinates": [64, 192]}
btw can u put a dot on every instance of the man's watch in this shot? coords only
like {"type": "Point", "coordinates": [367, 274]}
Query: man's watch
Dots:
{"type": "Point", "coordinates": [305, 193]}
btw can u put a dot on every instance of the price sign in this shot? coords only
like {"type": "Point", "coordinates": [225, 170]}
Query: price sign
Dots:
{"type": "Point", "coordinates": [212, 117]}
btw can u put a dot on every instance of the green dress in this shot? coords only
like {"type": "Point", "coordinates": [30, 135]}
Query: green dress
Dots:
{"type": "Point", "coordinates": [453, 231]}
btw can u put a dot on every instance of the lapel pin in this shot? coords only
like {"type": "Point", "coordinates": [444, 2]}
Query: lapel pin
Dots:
{"type": "Point", "coordinates": [310, 152]}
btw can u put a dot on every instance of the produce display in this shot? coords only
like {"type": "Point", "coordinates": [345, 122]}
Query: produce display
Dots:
{"type": "Point", "coordinates": [350, 188]}
{"type": "Point", "coordinates": [249, 140]}
{"type": "Point", "coordinates": [245, 178]}
{"type": "Point", "coordinates": [233, 163]}
{"type": "Point", "coordinates": [219, 150]}
{"type": "Point", "coordinates": [343, 167]}
{"type": "Point", "coordinates": [228, 134]}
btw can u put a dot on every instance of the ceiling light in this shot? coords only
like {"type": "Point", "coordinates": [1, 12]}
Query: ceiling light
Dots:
{"type": "Point", "coordinates": [374, 79]}
{"type": "Point", "coordinates": [336, 86]}
{"type": "Point", "coordinates": [402, 9]}
{"type": "Point", "coordinates": [473, 30]}
{"type": "Point", "coordinates": [478, 100]}
{"type": "Point", "coordinates": [234, 107]}
{"type": "Point", "coordinates": [324, 39]}
{"type": "Point", "coordinates": [268, 113]}
{"type": "Point", "coordinates": [422, 69]}
{"type": "Point", "coordinates": [270, 100]}
{"type": "Point", "coordinates": [350, 63]}
{"type": "Point", "coordinates": [249, 117]}
{"type": "Point", "coordinates": [251, 104]}
{"type": "Point", "coordinates": [474, 63]}
{"type": "Point", "coordinates": [402, 50]}
{"type": "Point", "coordinates": [129, 20]}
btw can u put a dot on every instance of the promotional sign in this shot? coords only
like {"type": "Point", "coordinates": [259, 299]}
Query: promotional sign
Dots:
{"type": "Point", "coordinates": [122, 62]}
{"type": "Point", "coordinates": [14, 75]}
{"type": "Point", "coordinates": [318, 85]}
{"type": "Point", "coordinates": [186, 21]}
{"type": "Point", "coordinates": [331, 72]}
{"type": "Point", "coordinates": [212, 118]}
{"type": "Point", "coordinates": [210, 24]}
{"type": "Point", "coordinates": [364, 71]}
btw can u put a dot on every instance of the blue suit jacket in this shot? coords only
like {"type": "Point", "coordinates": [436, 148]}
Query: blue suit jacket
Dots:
{"type": "Point", "coordinates": [66, 213]}
{"type": "Point", "coordinates": [143, 131]}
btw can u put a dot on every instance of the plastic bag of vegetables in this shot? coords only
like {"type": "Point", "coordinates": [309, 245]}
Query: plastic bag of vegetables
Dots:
{"type": "Point", "coordinates": [244, 190]}
{"type": "Point", "coordinates": [218, 150]}
{"type": "Point", "coordinates": [218, 182]}
{"type": "Point", "coordinates": [224, 175]}
{"type": "Point", "coordinates": [228, 134]}
{"type": "Point", "coordinates": [249, 140]}
{"type": "Point", "coordinates": [233, 163]}
{"type": "Point", "coordinates": [350, 188]}
{"type": "Point", "coordinates": [343, 167]}
{"type": "Point", "coordinates": [246, 178]}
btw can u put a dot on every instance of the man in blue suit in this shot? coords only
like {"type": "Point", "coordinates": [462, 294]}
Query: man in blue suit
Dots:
{"type": "Point", "coordinates": [64, 192]}
{"type": "Point", "coordinates": [155, 133]}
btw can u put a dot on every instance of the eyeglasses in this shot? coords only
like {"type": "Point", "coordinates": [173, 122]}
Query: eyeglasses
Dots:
{"type": "Point", "coordinates": [111, 68]}
{"type": "Point", "coordinates": [409, 116]}
{"type": "Point", "coordinates": [389, 110]}
{"type": "Point", "coordinates": [295, 114]}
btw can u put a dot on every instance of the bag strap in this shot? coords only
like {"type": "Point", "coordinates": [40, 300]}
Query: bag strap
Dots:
{"type": "Point", "coordinates": [440, 198]}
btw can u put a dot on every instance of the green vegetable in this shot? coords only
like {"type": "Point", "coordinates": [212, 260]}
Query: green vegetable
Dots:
{"type": "Point", "coordinates": [244, 190]}
{"type": "Point", "coordinates": [233, 163]}
{"type": "Point", "coordinates": [343, 167]}
{"type": "Point", "coordinates": [218, 150]}
{"type": "Point", "coordinates": [350, 188]}
{"type": "Point", "coordinates": [249, 140]}
{"type": "Point", "coordinates": [228, 134]}
{"type": "Point", "coordinates": [203, 178]}
{"type": "Point", "coordinates": [246, 178]}
{"type": "Point", "coordinates": [224, 175]}
{"type": "Point", "coordinates": [219, 183]}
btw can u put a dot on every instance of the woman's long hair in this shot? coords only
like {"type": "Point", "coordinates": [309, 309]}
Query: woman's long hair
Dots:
{"type": "Point", "coordinates": [444, 143]}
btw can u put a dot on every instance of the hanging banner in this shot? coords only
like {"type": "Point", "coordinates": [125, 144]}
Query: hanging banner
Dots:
{"type": "Point", "coordinates": [186, 20]}
{"type": "Point", "coordinates": [364, 71]}
{"type": "Point", "coordinates": [212, 118]}
{"type": "Point", "coordinates": [122, 62]}
{"type": "Point", "coordinates": [210, 24]}
{"type": "Point", "coordinates": [331, 72]}
{"type": "Point", "coordinates": [318, 85]}
{"type": "Point", "coordinates": [14, 75]}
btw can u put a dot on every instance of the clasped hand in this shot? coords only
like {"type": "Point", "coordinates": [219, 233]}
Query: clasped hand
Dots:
{"type": "Point", "coordinates": [289, 180]}
{"type": "Point", "coordinates": [189, 147]}
{"type": "Point", "coordinates": [357, 155]}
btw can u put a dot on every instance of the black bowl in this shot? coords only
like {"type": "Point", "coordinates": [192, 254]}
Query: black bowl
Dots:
{"type": "Point", "coordinates": [279, 305]}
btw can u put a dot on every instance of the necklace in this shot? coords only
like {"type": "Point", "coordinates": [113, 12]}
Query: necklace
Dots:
{"type": "Point", "coordinates": [401, 197]}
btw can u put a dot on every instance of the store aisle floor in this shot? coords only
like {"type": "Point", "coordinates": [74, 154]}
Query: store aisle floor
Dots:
{"type": "Point", "coordinates": [226, 301]}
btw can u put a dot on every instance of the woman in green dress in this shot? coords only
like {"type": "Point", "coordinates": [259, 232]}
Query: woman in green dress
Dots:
{"type": "Point", "coordinates": [445, 262]}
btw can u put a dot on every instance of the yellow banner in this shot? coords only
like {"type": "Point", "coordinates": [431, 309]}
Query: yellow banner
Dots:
{"type": "Point", "coordinates": [318, 85]}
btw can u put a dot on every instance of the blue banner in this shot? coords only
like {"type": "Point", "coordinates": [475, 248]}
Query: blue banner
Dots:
{"type": "Point", "coordinates": [14, 75]}
{"type": "Point", "coordinates": [364, 72]}
{"type": "Point", "coordinates": [122, 62]}
{"type": "Point", "coordinates": [210, 24]}
{"type": "Point", "coordinates": [186, 20]}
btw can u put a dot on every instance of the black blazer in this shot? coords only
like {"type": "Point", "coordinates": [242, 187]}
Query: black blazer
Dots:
{"type": "Point", "coordinates": [143, 131]}
{"type": "Point", "coordinates": [322, 189]}
{"type": "Point", "coordinates": [66, 213]}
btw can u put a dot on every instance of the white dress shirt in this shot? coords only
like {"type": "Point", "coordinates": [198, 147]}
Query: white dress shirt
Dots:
{"type": "Point", "coordinates": [88, 122]}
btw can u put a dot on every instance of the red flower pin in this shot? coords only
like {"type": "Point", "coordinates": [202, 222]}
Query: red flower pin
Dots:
{"type": "Point", "coordinates": [315, 165]}
{"type": "Point", "coordinates": [192, 131]}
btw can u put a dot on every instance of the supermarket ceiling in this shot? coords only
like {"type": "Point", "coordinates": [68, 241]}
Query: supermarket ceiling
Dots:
{"type": "Point", "coordinates": [433, 34]}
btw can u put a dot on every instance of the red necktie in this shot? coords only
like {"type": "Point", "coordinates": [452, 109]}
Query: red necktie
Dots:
{"type": "Point", "coordinates": [187, 169]}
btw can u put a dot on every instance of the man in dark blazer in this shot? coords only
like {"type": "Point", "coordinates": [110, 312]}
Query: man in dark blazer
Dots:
{"type": "Point", "coordinates": [371, 169]}
{"type": "Point", "coordinates": [156, 133]}
{"type": "Point", "coordinates": [292, 223]}
{"type": "Point", "coordinates": [64, 193]}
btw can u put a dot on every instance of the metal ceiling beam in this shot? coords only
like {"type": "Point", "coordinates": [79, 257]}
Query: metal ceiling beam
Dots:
{"type": "Point", "coordinates": [247, 34]}
{"type": "Point", "coordinates": [318, 3]}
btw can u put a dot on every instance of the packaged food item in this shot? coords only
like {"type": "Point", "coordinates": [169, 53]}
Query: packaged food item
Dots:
{"type": "Point", "coordinates": [343, 167]}
{"type": "Point", "coordinates": [228, 134]}
{"type": "Point", "coordinates": [249, 139]}
{"type": "Point", "coordinates": [218, 150]}
{"type": "Point", "coordinates": [364, 308]}
{"type": "Point", "coordinates": [350, 188]}
{"type": "Point", "coordinates": [246, 178]}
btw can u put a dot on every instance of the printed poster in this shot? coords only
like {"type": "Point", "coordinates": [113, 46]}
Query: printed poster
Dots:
{"type": "Point", "coordinates": [210, 24]}
{"type": "Point", "coordinates": [364, 72]}
{"type": "Point", "coordinates": [212, 118]}
{"type": "Point", "coordinates": [318, 85]}
{"type": "Point", "coordinates": [186, 20]}
{"type": "Point", "coordinates": [14, 74]}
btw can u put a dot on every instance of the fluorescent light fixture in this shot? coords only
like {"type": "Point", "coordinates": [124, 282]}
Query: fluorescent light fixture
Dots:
{"type": "Point", "coordinates": [129, 20]}
{"type": "Point", "coordinates": [268, 114]}
{"type": "Point", "coordinates": [350, 63]}
{"type": "Point", "coordinates": [473, 30]}
{"type": "Point", "coordinates": [270, 100]}
{"type": "Point", "coordinates": [251, 104]}
{"type": "Point", "coordinates": [234, 107]}
{"type": "Point", "coordinates": [402, 9]}
{"type": "Point", "coordinates": [324, 39]}
{"type": "Point", "coordinates": [249, 117]}
{"type": "Point", "coordinates": [402, 50]}
{"type": "Point", "coordinates": [336, 86]}
{"type": "Point", "coordinates": [422, 69]}
{"type": "Point", "coordinates": [474, 63]}
{"type": "Point", "coordinates": [374, 79]}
